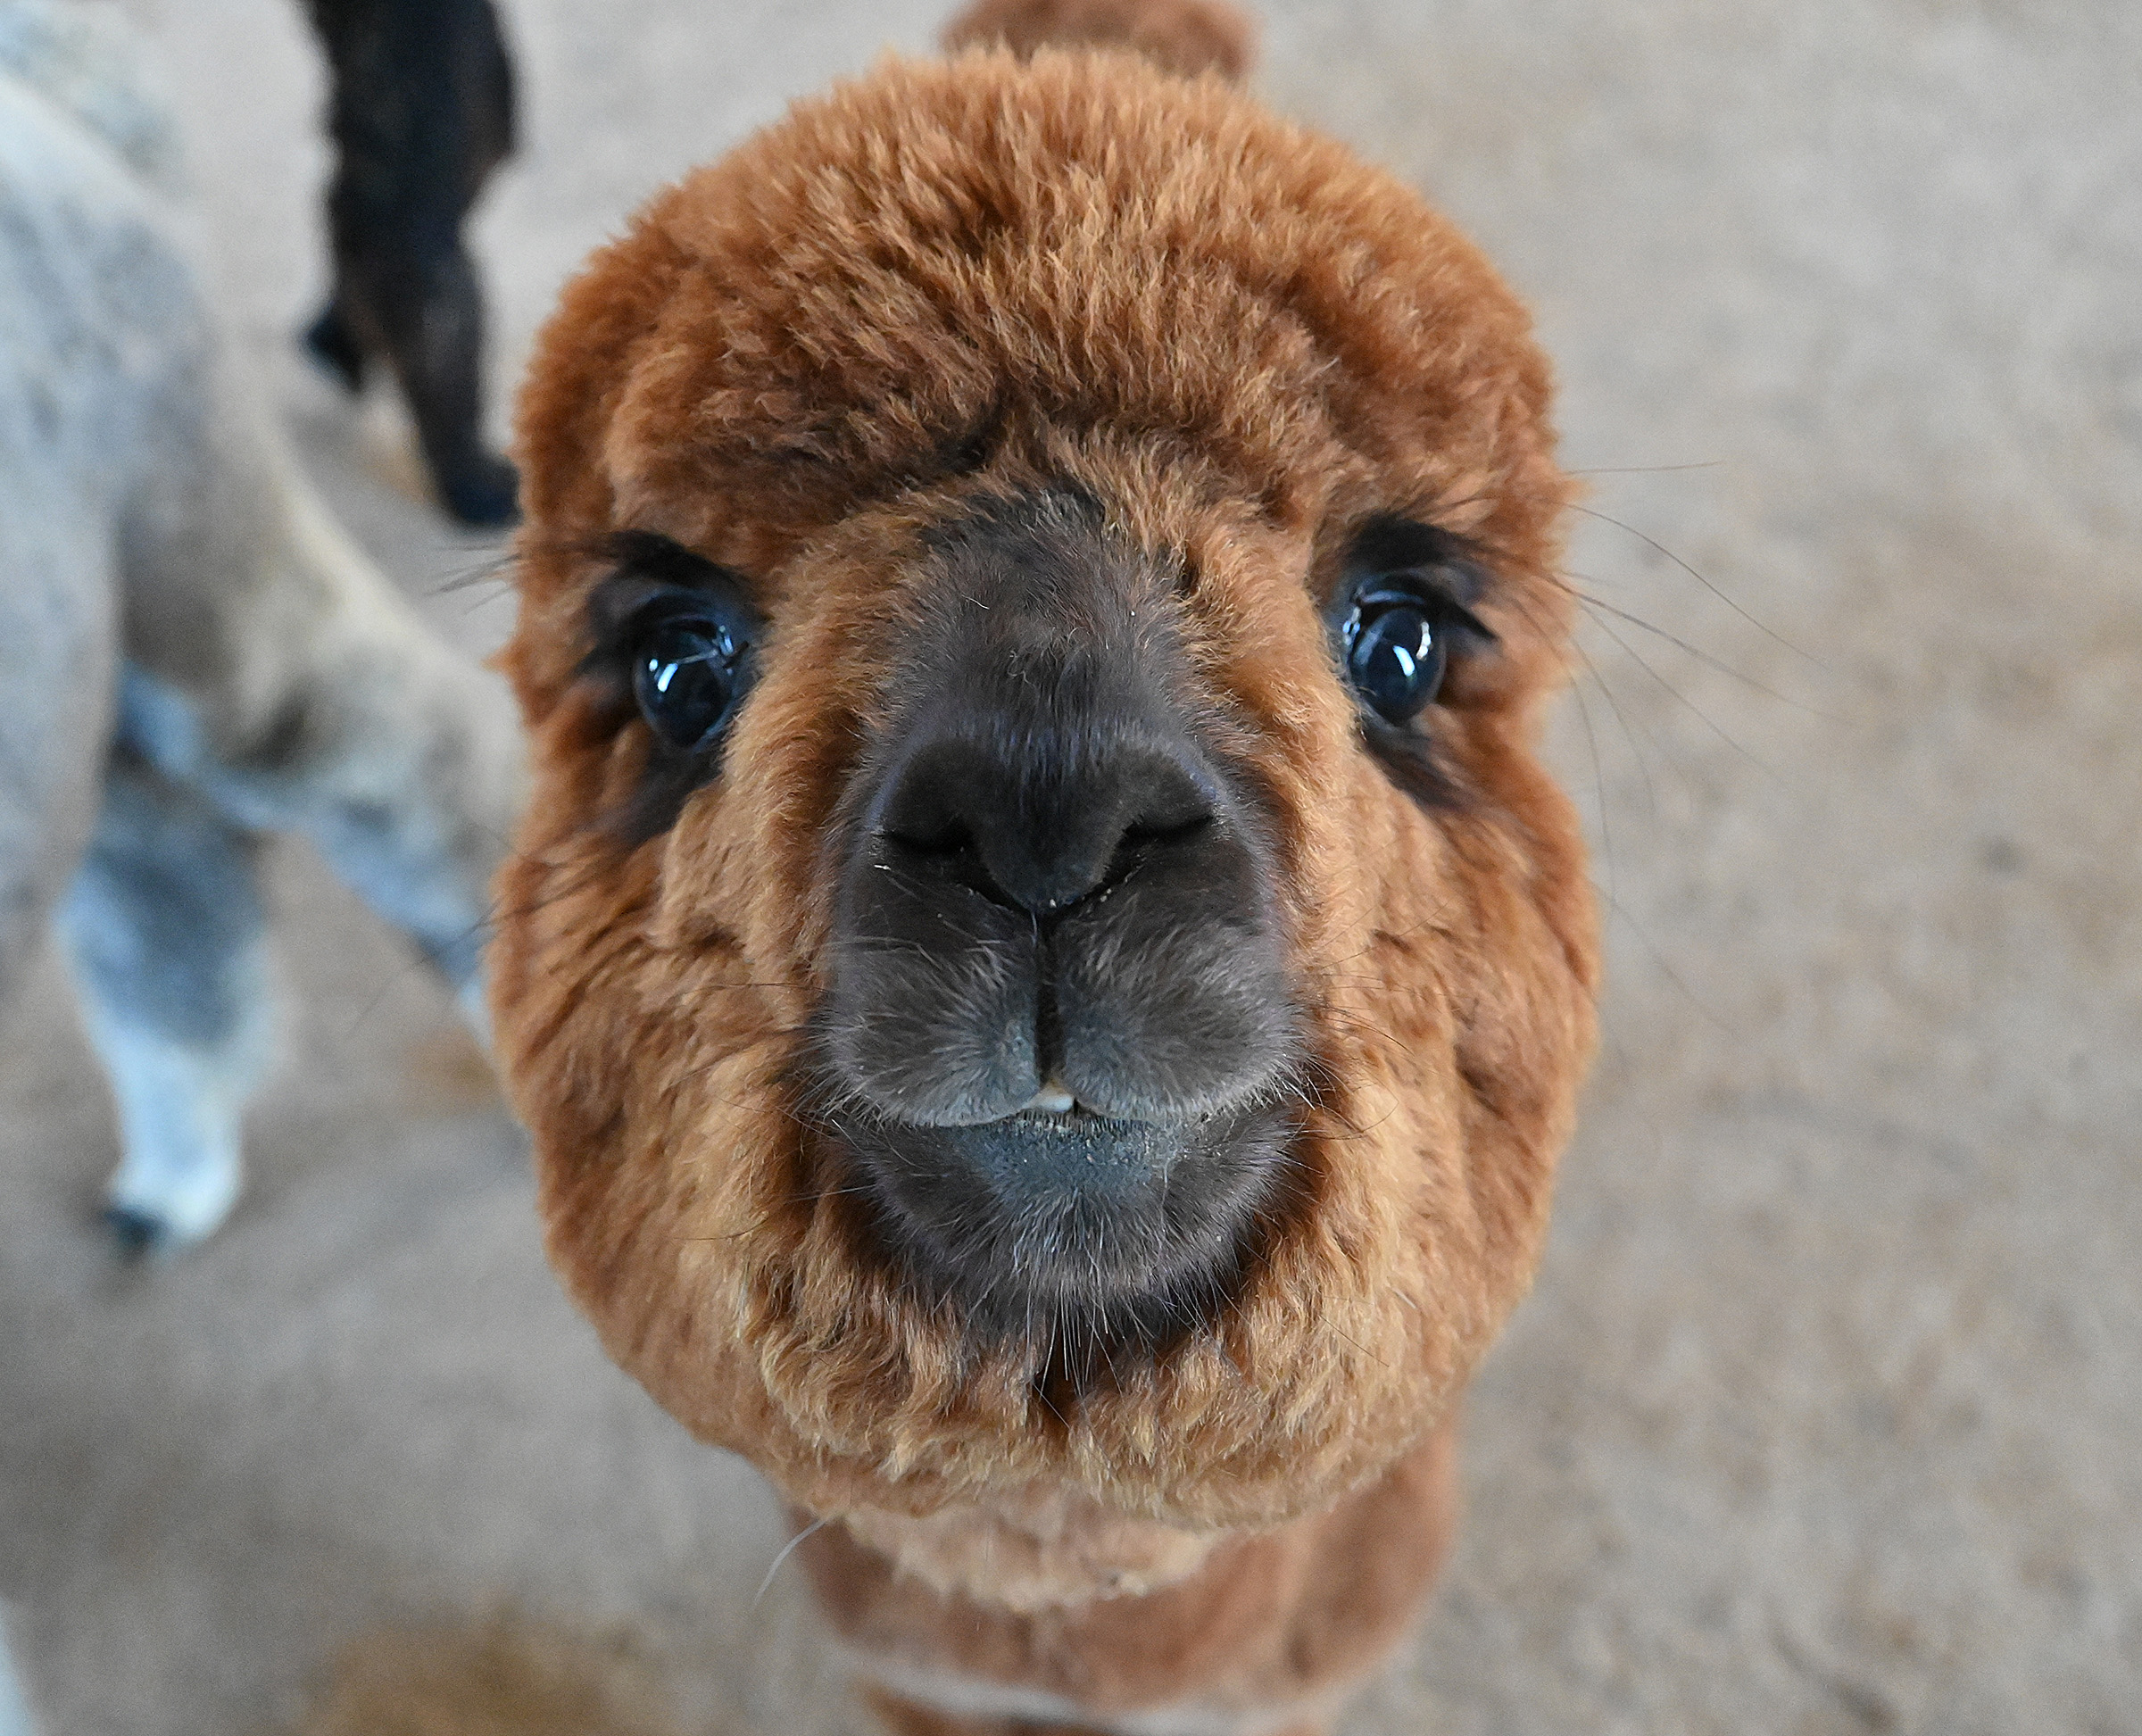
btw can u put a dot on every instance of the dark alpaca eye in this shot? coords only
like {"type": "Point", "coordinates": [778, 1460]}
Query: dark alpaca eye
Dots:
{"type": "Point", "coordinates": [674, 636]}
{"type": "Point", "coordinates": [686, 675]}
{"type": "Point", "coordinates": [1395, 653]}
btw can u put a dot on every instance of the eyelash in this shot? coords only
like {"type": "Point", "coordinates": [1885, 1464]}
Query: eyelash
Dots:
{"type": "Point", "coordinates": [663, 606]}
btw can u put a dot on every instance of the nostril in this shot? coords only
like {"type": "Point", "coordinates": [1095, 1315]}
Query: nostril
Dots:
{"type": "Point", "coordinates": [929, 808]}
{"type": "Point", "coordinates": [950, 838]}
{"type": "Point", "coordinates": [1166, 800]}
{"type": "Point", "coordinates": [1143, 839]}
{"type": "Point", "coordinates": [1167, 830]}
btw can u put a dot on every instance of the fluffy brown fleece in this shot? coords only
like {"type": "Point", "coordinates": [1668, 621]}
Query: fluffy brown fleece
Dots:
{"type": "Point", "coordinates": [1185, 36]}
{"type": "Point", "coordinates": [942, 284]}
{"type": "Point", "coordinates": [1273, 1625]}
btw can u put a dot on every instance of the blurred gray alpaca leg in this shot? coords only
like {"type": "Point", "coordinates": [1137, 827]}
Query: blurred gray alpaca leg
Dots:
{"type": "Point", "coordinates": [397, 759]}
{"type": "Point", "coordinates": [274, 669]}
{"type": "Point", "coordinates": [14, 1704]}
{"type": "Point", "coordinates": [164, 928]}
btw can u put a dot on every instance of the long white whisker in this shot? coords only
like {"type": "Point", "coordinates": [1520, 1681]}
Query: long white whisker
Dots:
{"type": "Point", "coordinates": [787, 1550]}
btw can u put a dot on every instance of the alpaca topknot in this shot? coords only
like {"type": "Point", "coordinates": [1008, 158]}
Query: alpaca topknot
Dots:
{"type": "Point", "coordinates": [1185, 36]}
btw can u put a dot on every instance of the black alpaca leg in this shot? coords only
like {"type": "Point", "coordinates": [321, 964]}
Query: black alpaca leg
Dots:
{"type": "Point", "coordinates": [429, 317]}
{"type": "Point", "coordinates": [331, 343]}
{"type": "Point", "coordinates": [422, 112]}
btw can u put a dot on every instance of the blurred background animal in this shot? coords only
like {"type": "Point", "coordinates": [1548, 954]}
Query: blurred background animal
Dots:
{"type": "Point", "coordinates": [421, 111]}
{"type": "Point", "coordinates": [1046, 974]}
{"type": "Point", "coordinates": [192, 653]}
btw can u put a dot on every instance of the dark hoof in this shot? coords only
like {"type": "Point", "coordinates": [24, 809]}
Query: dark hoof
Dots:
{"type": "Point", "coordinates": [134, 1235]}
{"type": "Point", "coordinates": [328, 341]}
{"type": "Point", "coordinates": [483, 493]}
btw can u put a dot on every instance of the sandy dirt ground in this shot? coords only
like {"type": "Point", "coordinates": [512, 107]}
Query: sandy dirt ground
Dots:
{"type": "Point", "coordinates": [1826, 1415]}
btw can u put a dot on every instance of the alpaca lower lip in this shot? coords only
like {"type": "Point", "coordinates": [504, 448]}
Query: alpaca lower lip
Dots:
{"type": "Point", "coordinates": [1036, 1159]}
{"type": "Point", "coordinates": [1128, 1226]}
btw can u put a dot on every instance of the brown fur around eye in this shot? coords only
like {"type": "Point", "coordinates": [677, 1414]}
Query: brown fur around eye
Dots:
{"type": "Point", "coordinates": [1054, 1096]}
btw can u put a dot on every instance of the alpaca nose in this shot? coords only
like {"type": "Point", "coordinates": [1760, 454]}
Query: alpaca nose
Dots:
{"type": "Point", "coordinates": [1054, 880]}
{"type": "Point", "coordinates": [1043, 905]}
{"type": "Point", "coordinates": [1039, 823]}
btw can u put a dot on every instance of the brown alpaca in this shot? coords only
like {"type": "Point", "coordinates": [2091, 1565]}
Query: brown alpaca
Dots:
{"type": "Point", "coordinates": [1046, 975]}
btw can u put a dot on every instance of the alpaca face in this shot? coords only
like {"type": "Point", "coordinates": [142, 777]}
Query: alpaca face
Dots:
{"type": "Point", "coordinates": [1041, 949]}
